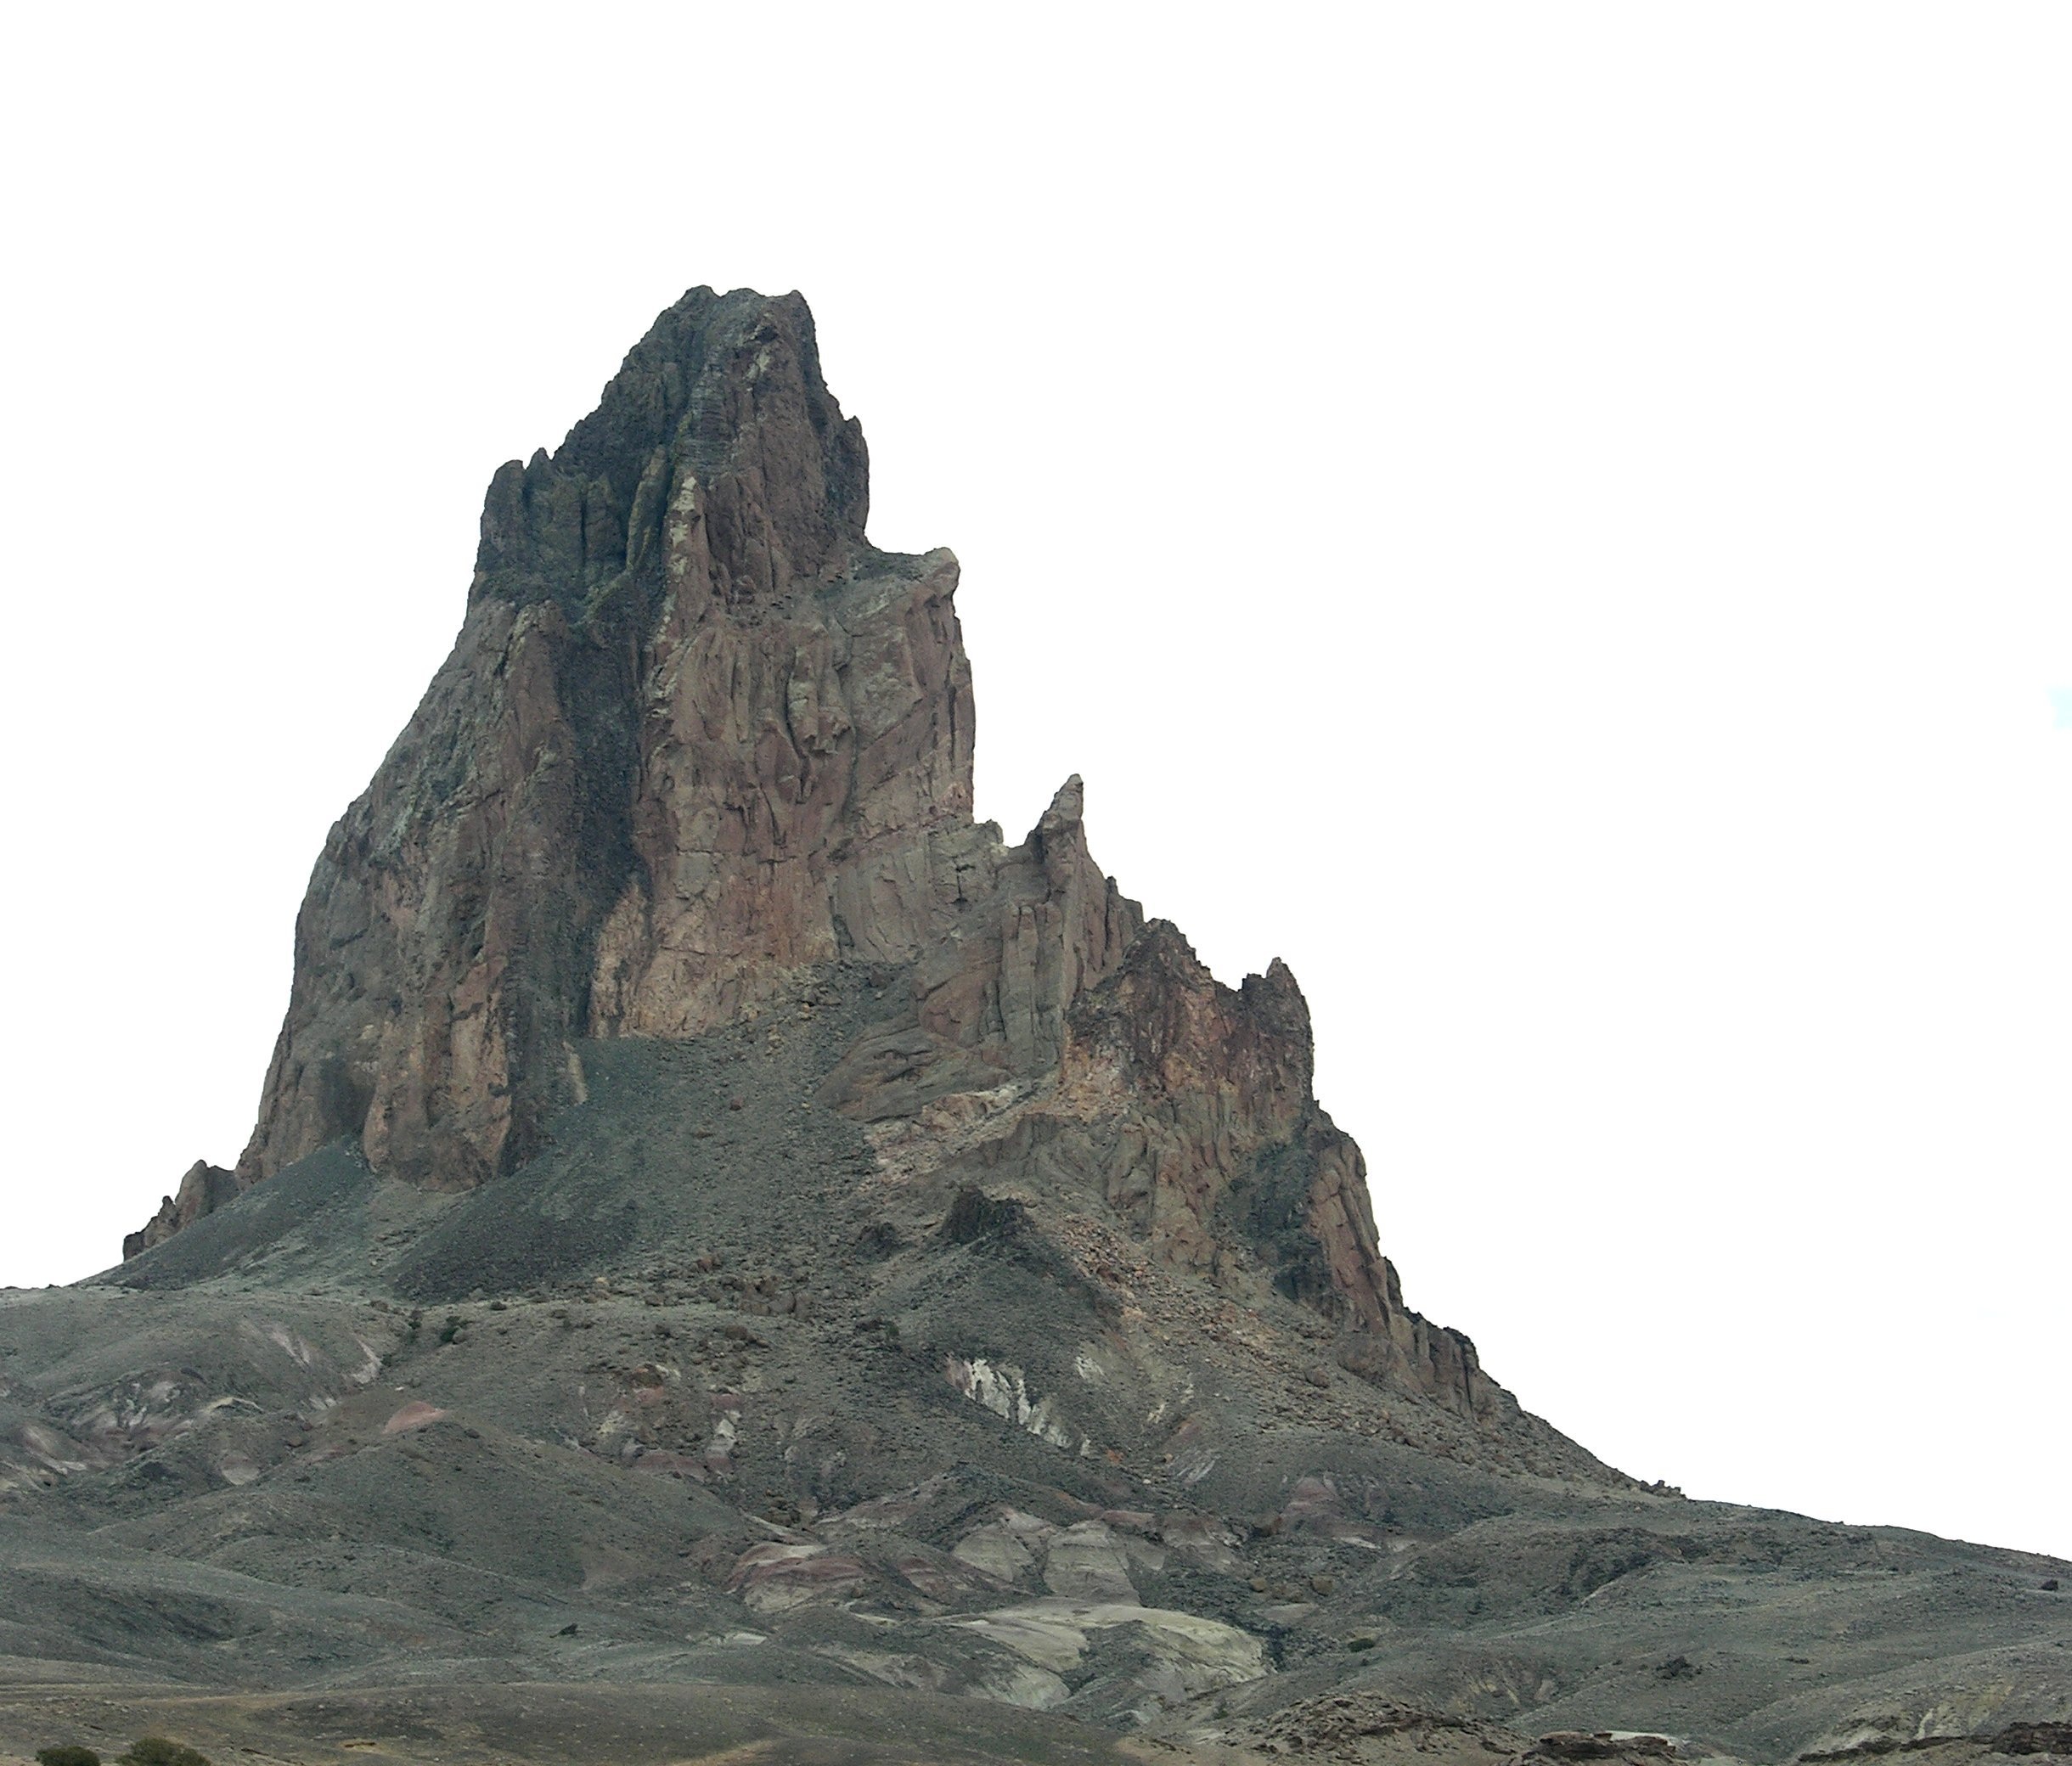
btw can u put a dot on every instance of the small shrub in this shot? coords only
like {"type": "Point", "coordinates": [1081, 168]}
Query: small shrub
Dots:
{"type": "Point", "coordinates": [72, 1754]}
{"type": "Point", "coordinates": [157, 1751]}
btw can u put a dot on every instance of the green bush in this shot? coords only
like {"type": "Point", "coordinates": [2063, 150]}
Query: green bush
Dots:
{"type": "Point", "coordinates": [72, 1754]}
{"type": "Point", "coordinates": [157, 1751]}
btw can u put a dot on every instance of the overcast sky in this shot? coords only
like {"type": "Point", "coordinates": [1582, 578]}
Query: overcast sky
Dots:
{"type": "Point", "coordinates": [1553, 520]}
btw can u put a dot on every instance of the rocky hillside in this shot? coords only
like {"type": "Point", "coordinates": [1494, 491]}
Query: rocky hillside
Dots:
{"type": "Point", "coordinates": [721, 1218]}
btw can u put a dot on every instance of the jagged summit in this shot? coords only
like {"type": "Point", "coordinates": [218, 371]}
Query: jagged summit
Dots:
{"type": "Point", "coordinates": [717, 437]}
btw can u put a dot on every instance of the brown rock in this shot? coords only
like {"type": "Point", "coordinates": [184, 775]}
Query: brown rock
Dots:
{"type": "Point", "coordinates": [695, 734]}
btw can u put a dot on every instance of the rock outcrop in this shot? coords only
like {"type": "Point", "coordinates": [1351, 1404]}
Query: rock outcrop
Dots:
{"type": "Point", "coordinates": [698, 739]}
{"type": "Point", "coordinates": [204, 1190]}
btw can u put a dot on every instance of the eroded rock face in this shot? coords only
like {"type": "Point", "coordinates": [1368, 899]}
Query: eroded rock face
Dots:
{"type": "Point", "coordinates": [1223, 1157]}
{"type": "Point", "coordinates": [694, 735]}
{"type": "Point", "coordinates": [696, 740]}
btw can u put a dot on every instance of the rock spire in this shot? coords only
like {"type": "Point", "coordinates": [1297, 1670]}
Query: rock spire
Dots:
{"type": "Point", "coordinates": [698, 739]}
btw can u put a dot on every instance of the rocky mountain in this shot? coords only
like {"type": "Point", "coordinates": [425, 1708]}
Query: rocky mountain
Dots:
{"type": "Point", "coordinates": [700, 748]}
{"type": "Point", "coordinates": [721, 1218]}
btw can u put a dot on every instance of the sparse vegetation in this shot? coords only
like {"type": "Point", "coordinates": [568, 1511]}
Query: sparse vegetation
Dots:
{"type": "Point", "coordinates": [158, 1751]}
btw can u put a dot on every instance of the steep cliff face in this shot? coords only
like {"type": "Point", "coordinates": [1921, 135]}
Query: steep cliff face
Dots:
{"type": "Point", "coordinates": [698, 740]}
{"type": "Point", "coordinates": [694, 735]}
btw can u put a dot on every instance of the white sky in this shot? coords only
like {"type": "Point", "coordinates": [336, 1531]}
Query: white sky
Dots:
{"type": "Point", "coordinates": [1553, 520]}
